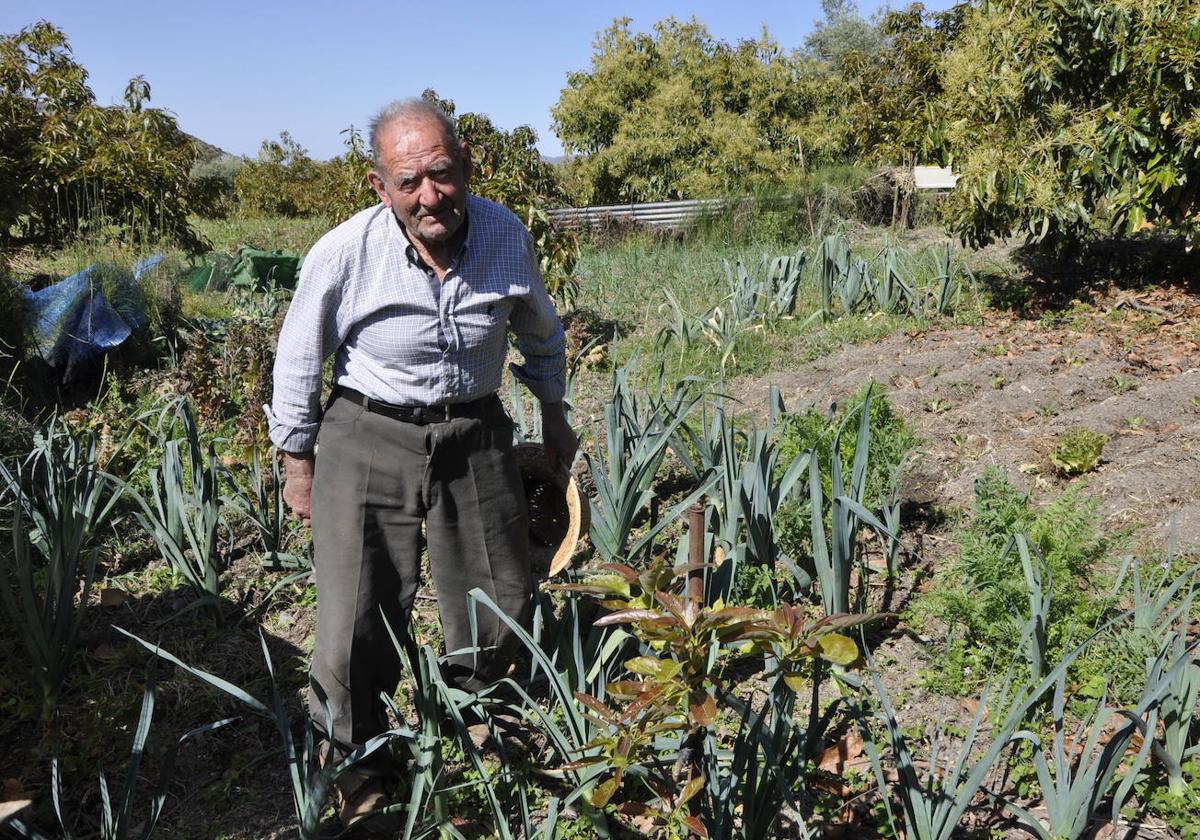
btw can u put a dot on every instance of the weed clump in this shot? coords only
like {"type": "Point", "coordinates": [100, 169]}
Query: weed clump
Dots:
{"type": "Point", "coordinates": [981, 596]}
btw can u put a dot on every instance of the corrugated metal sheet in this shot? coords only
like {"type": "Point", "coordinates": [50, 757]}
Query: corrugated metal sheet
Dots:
{"type": "Point", "coordinates": [649, 214]}
{"type": "Point", "coordinates": [668, 214]}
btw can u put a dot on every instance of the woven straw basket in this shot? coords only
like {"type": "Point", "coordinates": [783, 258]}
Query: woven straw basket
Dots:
{"type": "Point", "coordinates": [558, 513]}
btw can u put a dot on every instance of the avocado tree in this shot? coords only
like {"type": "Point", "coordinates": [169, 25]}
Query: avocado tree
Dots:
{"type": "Point", "coordinates": [69, 166]}
{"type": "Point", "coordinates": [1070, 118]}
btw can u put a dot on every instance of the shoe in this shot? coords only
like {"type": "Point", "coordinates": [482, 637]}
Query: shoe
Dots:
{"type": "Point", "coordinates": [360, 800]}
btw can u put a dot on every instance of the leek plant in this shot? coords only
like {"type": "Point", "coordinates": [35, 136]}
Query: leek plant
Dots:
{"type": "Point", "coordinates": [762, 772]}
{"type": "Point", "coordinates": [65, 494]}
{"type": "Point", "coordinates": [262, 503]}
{"type": "Point", "coordinates": [755, 300]}
{"type": "Point", "coordinates": [835, 557]}
{"type": "Point", "coordinates": [567, 662]}
{"type": "Point", "coordinates": [1034, 633]}
{"type": "Point", "coordinates": [835, 265]}
{"type": "Point", "coordinates": [1177, 666]}
{"type": "Point", "coordinates": [934, 801]}
{"type": "Point", "coordinates": [750, 489]}
{"type": "Point", "coordinates": [120, 824]}
{"type": "Point", "coordinates": [623, 468]}
{"type": "Point", "coordinates": [749, 785]}
{"type": "Point", "coordinates": [893, 288]}
{"type": "Point", "coordinates": [1084, 770]}
{"type": "Point", "coordinates": [186, 516]}
{"type": "Point", "coordinates": [312, 770]}
{"type": "Point", "coordinates": [61, 497]}
{"type": "Point", "coordinates": [40, 601]}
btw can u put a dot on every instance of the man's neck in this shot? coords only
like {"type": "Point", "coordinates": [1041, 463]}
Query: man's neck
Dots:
{"type": "Point", "coordinates": [439, 255]}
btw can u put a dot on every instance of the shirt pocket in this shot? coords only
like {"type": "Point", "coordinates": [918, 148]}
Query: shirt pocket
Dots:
{"type": "Point", "coordinates": [482, 325]}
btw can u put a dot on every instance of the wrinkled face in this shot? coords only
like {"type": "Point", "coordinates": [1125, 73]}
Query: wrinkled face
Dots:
{"type": "Point", "coordinates": [421, 182]}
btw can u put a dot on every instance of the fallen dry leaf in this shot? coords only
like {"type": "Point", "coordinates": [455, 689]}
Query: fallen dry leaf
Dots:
{"type": "Point", "coordinates": [113, 597]}
{"type": "Point", "coordinates": [842, 755]}
{"type": "Point", "coordinates": [104, 652]}
{"type": "Point", "coordinates": [971, 705]}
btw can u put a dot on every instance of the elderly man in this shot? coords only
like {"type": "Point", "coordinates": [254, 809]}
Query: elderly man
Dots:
{"type": "Point", "coordinates": [413, 298]}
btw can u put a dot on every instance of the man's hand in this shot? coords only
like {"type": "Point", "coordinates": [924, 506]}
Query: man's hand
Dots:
{"type": "Point", "coordinates": [297, 484]}
{"type": "Point", "coordinates": [558, 437]}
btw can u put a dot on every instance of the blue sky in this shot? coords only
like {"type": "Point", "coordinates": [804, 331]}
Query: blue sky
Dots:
{"type": "Point", "coordinates": [236, 73]}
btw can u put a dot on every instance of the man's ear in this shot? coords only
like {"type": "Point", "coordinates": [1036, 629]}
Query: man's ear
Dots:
{"type": "Point", "coordinates": [377, 183]}
{"type": "Point", "coordinates": [468, 166]}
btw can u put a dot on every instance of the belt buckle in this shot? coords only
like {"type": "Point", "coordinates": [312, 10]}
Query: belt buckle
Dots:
{"type": "Point", "coordinates": [423, 415]}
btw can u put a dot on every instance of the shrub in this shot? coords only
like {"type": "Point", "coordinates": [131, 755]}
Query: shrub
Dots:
{"type": "Point", "coordinates": [213, 193]}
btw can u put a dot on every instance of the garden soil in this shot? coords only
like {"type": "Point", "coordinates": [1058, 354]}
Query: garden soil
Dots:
{"type": "Point", "coordinates": [1003, 392]}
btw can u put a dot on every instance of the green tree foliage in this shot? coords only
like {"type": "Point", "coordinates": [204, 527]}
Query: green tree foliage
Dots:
{"type": "Point", "coordinates": [69, 166]}
{"type": "Point", "coordinates": [892, 91]}
{"type": "Point", "coordinates": [678, 114]}
{"type": "Point", "coordinates": [1069, 117]}
{"type": "Point", "coordinates": [286, 181]}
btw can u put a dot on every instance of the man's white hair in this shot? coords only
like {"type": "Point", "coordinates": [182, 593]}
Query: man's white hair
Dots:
{"type": "Point", "coordinates": [411, 109]}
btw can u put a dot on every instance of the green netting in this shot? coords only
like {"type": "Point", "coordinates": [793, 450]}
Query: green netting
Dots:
{"type": "Point", "coordinates": [250, 268]}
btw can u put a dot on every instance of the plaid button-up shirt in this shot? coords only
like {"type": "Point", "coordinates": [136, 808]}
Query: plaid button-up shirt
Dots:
{"type": "Point", "coordinates": [403, 338]}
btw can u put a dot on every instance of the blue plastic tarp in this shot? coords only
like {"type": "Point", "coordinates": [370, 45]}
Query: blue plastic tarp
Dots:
{"type": "Point", "coordinates": [72, 321]}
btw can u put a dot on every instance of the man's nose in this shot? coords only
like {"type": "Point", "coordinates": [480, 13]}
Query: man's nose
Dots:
{"type": "Point", "coordinates": [429, 194]}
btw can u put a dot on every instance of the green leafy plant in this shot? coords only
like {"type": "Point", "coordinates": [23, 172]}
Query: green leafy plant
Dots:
{"type": "Point", "coordinates": [60, 498]}
{"type": "Point", "coordinates": [186, 516]}
{"type": "Point", "coordinates": [988, 594]}
{"type": "Point", "coordinates": [1078, 451]}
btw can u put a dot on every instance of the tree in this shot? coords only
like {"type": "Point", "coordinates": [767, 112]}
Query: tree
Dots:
{"type": "Point", "coordinates": [678, 114]}
{"type": "Point", "coordinates": [842, 31]}
{"type": "Point", "coordinates": [892, 93]}
{"type": "Point", "coordinates": [1067, 118]}
{"type": "Point", "coordinates": [69, 166]}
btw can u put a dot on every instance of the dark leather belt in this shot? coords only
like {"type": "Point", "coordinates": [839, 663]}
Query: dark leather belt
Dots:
{"type": "Point", "coordinates": [419, 415]}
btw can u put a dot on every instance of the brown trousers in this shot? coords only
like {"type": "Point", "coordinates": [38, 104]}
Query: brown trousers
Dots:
{"type": "Point", "coordinates": [378, 480]}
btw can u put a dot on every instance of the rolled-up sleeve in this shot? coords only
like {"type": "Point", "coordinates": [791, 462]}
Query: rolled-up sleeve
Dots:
{"type": "Point", "coordinates": [310, 333]}
{"type": "Point", "coordinates": [540, 337]}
